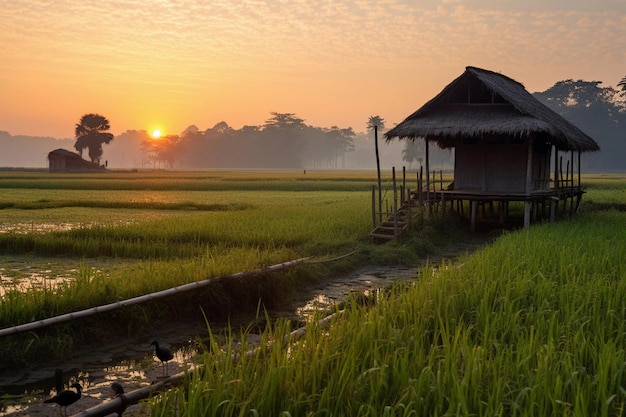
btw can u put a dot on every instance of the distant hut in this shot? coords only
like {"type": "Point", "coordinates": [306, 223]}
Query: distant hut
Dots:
{"type": "Point", "coordinates": [506, 144]}
{"type": "Point", "coordinates": [62, 160]}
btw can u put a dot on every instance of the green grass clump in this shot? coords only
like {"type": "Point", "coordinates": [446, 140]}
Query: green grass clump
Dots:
{"type": "Point", "coordinates": [530, 326]}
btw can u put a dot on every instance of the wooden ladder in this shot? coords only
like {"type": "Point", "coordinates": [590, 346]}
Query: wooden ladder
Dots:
{"type": "Point", "coordinates": [395, 225]}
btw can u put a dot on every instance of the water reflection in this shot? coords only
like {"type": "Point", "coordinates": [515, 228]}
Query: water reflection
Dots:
{"type": "Point", "coordinates": [135, 365]}
{"type": "Point", "coordinates": [40, 280]}
{"type": "Point", "coordinates": [139, 368]}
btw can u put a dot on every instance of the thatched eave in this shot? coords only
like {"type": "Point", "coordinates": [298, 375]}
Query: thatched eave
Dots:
{"type": "Point", "coordinates": [503, 107]}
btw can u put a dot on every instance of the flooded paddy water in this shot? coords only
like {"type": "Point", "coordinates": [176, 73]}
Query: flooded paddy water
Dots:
{"type": "Point", "coordinates": [131, 361]}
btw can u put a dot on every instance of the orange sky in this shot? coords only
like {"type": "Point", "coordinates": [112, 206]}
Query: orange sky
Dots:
{"type": "Point", "coordinates": [169, 64]}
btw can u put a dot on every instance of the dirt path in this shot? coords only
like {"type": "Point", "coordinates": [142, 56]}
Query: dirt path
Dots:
{"type": "Point", "coordinates": [132, 362]}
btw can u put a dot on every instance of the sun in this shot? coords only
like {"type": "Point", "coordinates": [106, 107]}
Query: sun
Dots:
{"type": "Point", "coordinates": [156, 133]}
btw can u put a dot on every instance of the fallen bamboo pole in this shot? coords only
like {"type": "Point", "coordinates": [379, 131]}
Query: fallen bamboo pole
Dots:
{"type": "Point", "coordinates": [143, 298]}
{"type": "Point", "coordinates": [119, 404]}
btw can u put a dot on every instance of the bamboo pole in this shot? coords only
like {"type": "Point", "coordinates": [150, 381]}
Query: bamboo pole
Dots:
{"type": "Point", "coordinates": [427, 178]}
{"type": "Point", "coordinates": [528, 187]}
{"type": "Point", "coordinates": [380, 191]}
{"type": "Point", "coordinates": [395, 204]}
{"type": "Point", "coordinates": [403, 184]}
{"type": "Point", "coordinates": [373, 206]}
{"type": "Point", "coordinates": [143, 298]}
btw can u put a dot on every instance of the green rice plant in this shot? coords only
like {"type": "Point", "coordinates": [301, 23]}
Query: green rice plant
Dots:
{"type": "Point", "coordinates": [305, 218]}
{"type": "Point", "coordinates": [530, 326]}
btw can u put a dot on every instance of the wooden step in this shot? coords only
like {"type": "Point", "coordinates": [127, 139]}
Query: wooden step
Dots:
{"type": "Point", "coordinates": [385, 237]}
{"type": "Point", "coordinates": [391, 224]}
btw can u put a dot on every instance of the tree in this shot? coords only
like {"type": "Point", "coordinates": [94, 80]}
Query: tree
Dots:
{"type": "Point", "coordinates": [91, 133]}
{"type": "Point", "coordinates": [596, 111]}
{"type": "Point", "coordinates": [622, 86]}
{"type": "Point", "coordinates": [165, 150]}
{"type": "Point", "coordinates": [413, 151]}
{"type": "Point", "coordinates": [375, 121]}
{"type": "Point", "coordinates": [338, 142]}
{"type": "Point", "coordinates": [282, 138]}
{"type": "Point", "coordinates": [284, 121]}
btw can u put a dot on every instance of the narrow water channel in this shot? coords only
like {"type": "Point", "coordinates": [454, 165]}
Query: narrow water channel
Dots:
{"type": "Point", "coordinates": [133, 363]}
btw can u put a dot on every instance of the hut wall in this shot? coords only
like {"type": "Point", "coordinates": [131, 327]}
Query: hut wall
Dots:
{"type": "Point", "coordinates": [499, 168]}
{"type": "Point", "coordinates": [57, 163]}
{"type": "Point", "coordinates": [541, 168]}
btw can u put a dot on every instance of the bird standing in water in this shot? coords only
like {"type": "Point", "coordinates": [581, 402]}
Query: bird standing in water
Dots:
{"type": "Point", "coordinates": [65, 398]}
{"type": "Point", "coordinates": [164, 355]}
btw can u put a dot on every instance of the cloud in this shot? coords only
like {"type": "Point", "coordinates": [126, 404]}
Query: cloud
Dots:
{"type": "Point", "coordinates": [188, 50]}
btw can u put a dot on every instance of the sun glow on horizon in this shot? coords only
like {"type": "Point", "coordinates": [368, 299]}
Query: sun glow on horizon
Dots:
{"type": "Point", "coordinates": [156, 133]}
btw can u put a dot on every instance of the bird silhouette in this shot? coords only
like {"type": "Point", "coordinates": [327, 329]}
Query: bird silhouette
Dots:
{"type": "Point", "coordinates": [164, 355]}
{"type": "Point", "coordinates": [65, 398]}
{"type": "Point", "coordinates": [118, 389]}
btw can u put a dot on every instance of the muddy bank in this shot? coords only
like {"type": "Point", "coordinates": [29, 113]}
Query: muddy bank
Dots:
{"type": "Point", "coordinates": [131, 361]}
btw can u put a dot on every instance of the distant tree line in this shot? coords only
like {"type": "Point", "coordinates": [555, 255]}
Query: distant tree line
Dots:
{"type": "Point", "coordinates": [598, 111]}
{"type": "Point", "coordinates": [286, 141]}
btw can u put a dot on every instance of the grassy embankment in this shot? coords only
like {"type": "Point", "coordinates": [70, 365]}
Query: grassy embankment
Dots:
{"type": "Point", "coordinates": [532, 325]}
{"type": "Point", "coordinates": [136, 233]}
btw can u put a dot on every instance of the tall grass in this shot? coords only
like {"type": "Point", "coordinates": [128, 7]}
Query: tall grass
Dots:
{"type": "Point", "coordinates": [530, 326]}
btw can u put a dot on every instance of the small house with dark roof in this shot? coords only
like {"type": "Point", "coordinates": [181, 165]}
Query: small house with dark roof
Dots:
{"type": "Point", "coordinates": [62, 160]}
{"type": "Point", "coordinates": [508, 146]}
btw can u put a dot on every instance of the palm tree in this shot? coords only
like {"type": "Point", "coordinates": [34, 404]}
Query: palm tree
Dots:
{"type": "Point", "coordinates": [91, 133]}
{"type": "Point", "coordinates": [375, 123]}
{"type": "Point", "coordinates": [622, 85]}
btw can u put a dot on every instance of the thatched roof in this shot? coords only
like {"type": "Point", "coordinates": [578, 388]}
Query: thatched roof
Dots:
{"type": "Point", "coordinates": [482, 103]}
{"type": "Point", "coordinates": [64, 153]}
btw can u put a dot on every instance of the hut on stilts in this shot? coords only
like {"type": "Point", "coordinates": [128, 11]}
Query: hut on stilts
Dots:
{"type": "Point", "coordinates": [508, 147]}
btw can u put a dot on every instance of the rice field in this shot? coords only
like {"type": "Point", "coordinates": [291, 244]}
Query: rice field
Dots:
{"type": "Point", "coordinates": [533, 325]}
{"type": "Point", "coordinates": [71, 242]}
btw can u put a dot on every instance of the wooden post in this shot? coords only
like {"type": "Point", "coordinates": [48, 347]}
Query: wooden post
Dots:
{"type": "Point", "coordinates": [529, 173]}
{"type": "Point", "coordinates": [443, 205]}
{"type": "Point", "coordinates": [579, 169]}
{"type": "Point", "coordinates": [427, 179]}
{"type": "Point", "coordinates": [403, 183]}
{"type": "Point", "coordinates": [571, 175]}
{"type": "Point", "coordinates": [394, 207]}
{"type": "Point", "coordinates": [380, 191]}
{"type": "Point", "coordinates": [420, 188]}
{"type": "Point", "coordinates": [473, 209]}
{"type": "Point", "coordinates": [374, 206]}
{"type": "Point", "coordinates": [556, 168]}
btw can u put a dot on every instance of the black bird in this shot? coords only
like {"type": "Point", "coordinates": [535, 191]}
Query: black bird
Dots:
{"type": "Point", "coordinates": [118, 389]}
{"type": "Point", "coordinates": [164, 354]}
{"type": "Point", "coordinates": [65, 398]}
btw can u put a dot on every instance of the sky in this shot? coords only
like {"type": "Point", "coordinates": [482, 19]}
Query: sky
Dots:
{"type": "Point", "coordinates": [160, 64]}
